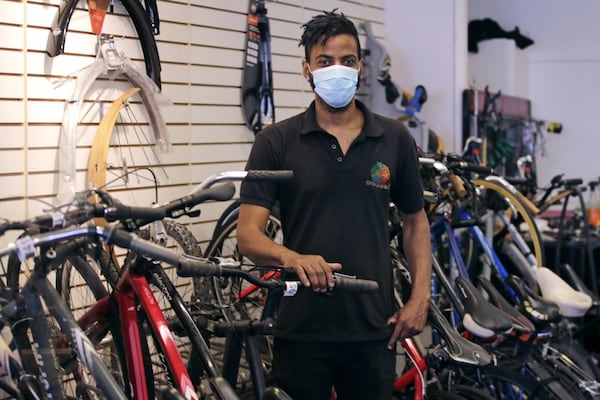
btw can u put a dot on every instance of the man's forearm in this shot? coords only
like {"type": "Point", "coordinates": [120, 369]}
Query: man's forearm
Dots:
{"type": "Point", "coordinates": [417, 249]}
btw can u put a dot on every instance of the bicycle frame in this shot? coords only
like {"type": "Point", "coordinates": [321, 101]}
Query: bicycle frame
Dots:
{"type": "Point", "coordinates": [38, 287]}
{"type": "Point", "coordinates": [415, 374]}
{"type": "Point", "coordinates": [133, 292]}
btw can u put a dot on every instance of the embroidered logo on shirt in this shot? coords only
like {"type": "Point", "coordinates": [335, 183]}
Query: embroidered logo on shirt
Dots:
{"type": "Point", "coordinates": [380, 176]}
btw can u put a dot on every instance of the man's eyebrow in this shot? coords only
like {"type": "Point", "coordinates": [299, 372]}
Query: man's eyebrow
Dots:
{"type": "Point", "coordinates": [331, 57]}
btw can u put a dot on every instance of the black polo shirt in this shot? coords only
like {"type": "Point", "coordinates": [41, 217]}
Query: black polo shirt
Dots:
{"type": "Point", "coordinates": [337, 207]}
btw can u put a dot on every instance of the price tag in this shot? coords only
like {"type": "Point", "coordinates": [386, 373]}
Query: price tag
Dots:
{"type": "Point", "coordinates": [291, 288]}
{"type": "Point", "coordinates": [25, 248]}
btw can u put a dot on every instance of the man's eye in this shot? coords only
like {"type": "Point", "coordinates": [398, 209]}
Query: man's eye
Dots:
{"type": "Point", "coordinates": [324, 63]}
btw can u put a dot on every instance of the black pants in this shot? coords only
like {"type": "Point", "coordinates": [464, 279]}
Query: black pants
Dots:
{"type": "Point", "coordinates": [308, 371]}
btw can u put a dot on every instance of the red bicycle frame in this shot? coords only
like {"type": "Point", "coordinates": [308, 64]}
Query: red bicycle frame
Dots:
{"type": "Point", "coordinates": [415, 374]}
{"type": "Point", "coordinates": [133, 292]}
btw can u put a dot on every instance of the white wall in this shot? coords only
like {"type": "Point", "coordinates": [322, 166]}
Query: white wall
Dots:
{"type": "Point", "coordinates": [201, 49]}
{"type": "Point", "coordinates": [201, 44]}
{"type": "Point", "coordinates": [426, 41]}
{"type": "Point", "coordinates": [562, 68]}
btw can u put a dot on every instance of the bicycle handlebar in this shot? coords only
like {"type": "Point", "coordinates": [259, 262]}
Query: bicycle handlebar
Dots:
{"type": "Point", "coordinates": [173, 209]}
{"type": "Point", "coordinates": [455, 166]}
{"type": "Point", "coordinates": [190, 267]}
{"type": "Point", "coordinates": [113, 210]}
{"type": "Point", "coordinates": [250, 175]}
{"type": "Point", "coordinates": [470, 167]}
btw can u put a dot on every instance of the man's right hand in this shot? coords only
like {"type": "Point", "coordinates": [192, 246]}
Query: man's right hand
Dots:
{"type": "Point", "coordinates": [312, 270]}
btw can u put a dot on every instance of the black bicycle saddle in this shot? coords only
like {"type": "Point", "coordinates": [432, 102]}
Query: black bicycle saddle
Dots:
{"type": "Point", "coordinates": [481, 317]}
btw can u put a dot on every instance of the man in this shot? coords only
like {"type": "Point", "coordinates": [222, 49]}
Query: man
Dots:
{"type": "Point", "coordinates": [348, 165]}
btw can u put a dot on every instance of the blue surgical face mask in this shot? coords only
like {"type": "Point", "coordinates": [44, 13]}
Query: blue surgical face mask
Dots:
{"type": "Point", "coordinates": [336, 84]}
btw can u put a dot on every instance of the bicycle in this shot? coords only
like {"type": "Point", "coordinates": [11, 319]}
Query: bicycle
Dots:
{"type": "Point", "coordinates": [106, 327]}
{"type": "Point", "coordinates": [157, 274]}
{"type": "Point", "coordinates": [541, 316]}
{"type": "Point", "coordinates": [30, 304]}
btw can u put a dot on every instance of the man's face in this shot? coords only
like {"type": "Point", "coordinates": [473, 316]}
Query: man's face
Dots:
{"type": "Point", "coordinates": [339, 49]}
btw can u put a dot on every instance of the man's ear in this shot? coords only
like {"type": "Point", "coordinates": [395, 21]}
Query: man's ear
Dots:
{"type": "Point", "coordinates": [305, 70]}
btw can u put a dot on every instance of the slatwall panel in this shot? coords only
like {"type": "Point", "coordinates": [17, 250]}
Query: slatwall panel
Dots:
{"type": "Point", "coordinates": [201, 49]}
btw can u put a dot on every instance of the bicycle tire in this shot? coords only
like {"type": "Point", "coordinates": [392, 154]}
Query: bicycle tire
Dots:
{"type": "Point", "coordinates": [219, 298]}
{"type": "Point", "coordinates": [573, 365]}
{"type": "Point", "coordinates": [223, 294]}
{"type": "Point", "coordinates": [141, 21]}
{"type": "Point", "coordinates": [79, 283]}
{"type": "Point", "coordinates": [471, 393]}
{"type": "Point", "coordinates": [158, 377]}
{"type": "Point", "coordinates": [434, 394]}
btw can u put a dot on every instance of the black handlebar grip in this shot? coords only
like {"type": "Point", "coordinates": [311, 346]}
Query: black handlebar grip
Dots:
{"type": "Point", "coordinates": [119, 212]}
{"type": "Point", "coordinates": [479, 169]}
{"type": "Point", "coordinates": [517, 180]}
{"type": "Point", "coordinates": [217, 193]}
{"type": "Point", "coordinates": [189, 267]}
{"type": "Point", "coordinates": [572, 182]}
{"type": "Point", "coordinates": [269, 175]}
{"type": "Point", "coordinates": [355, 284]}
{"type": "Point", "coordinates": [467, 166]}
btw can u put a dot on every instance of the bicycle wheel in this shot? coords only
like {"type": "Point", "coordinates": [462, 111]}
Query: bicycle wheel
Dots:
{"type": "Point", "coordinates": [499, 382]}
{"type": "Point", "coordinates": [125, 137]}
{"type": "Point", "coordinates": [224, 295]}
{"type": "Point", "coordinates": [502, 197]}
{"type": "Point", "coordinates": [572, 365]}
{"type": "Point", "coordinates": [221, 299]}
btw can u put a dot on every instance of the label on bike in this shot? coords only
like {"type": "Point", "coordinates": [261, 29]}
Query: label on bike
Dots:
{"type": "Point", "coordinates": [291, 288]}
{"type": "Point", "coordinates": [25, 247]}
{"type": "Point", "coordinates": [58, 219]}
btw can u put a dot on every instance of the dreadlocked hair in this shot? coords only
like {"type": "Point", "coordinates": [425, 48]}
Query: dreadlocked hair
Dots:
{"type": "Point", "coordinates": [323, 26]}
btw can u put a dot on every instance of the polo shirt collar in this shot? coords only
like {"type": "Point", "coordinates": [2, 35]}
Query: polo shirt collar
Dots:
{"type": "Point", "coordinates": [370, 128]}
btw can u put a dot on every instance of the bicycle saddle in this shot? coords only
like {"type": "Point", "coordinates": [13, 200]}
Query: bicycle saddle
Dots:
{"type": "Point", "coordinates": [521, 324]}
{"type": "Point", "coordinates": [572, 303]}
{"type": "Point", "coordinates": [539, 311]}
{"type": "Point", "coordinates": [458, 348]}
{"type": "Point", "coordinates": [481, 317]}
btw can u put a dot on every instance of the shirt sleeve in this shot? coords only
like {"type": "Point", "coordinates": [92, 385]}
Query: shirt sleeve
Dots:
{"type": "Point", "coordinates": [407, 193]}
{"type": "Point", "coordinates": [262, 157]}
